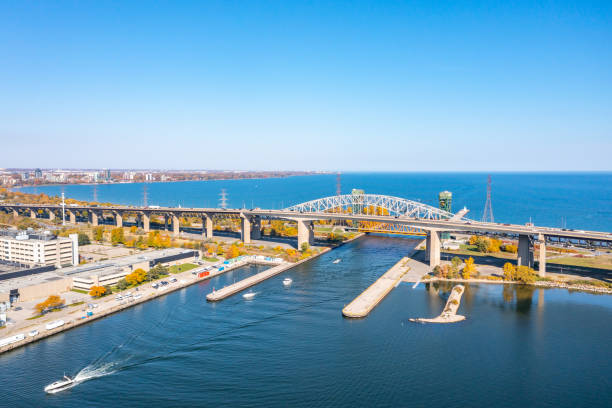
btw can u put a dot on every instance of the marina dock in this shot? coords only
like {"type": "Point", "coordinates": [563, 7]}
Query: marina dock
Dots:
{"type": "Point", "coordinates": [363, 304]}
{"type": "Point", "coordinates": [247, 282]}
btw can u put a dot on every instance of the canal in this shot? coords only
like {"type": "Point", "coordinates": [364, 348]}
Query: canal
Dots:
{"type": "Point", "coordinates": [291, 347]}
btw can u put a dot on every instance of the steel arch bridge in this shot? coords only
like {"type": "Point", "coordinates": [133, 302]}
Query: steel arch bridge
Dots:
{"type": "Point", "coordinates": [376, 204]}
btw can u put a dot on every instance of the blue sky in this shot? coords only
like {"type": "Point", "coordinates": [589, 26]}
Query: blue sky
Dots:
{"type": "Point", "coordinates": [356, 85]}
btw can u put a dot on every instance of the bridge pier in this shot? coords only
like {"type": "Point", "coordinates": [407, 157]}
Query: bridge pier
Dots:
{"type": "Point", "coordinates": [176, 225]}
{"type": "Point", "coordinates": [32, 213]}
{"type": "Point", "coordinates": [305, 233]}
{"type": "Point", "coordinates": [256, 228]}
{"type": "Point", "coordinates": [165, 222]}
{"type": "Point", "coordinates": [245, 229]}
{"type": "Point", "coordinates": [542, 259]}
{"type": "Point", "coordinates": [525, 254]}
{"type": "Point", "coordinates": [72, 215]}
{"type": "Point", "coordinates": [15, 213]}
{"type": "Point", "coordinates": [93, 218]}
{"type": "Point", "coordinates": [146, 221]}
{"type": "Point", "coordinates": [207, 226]}
{"type": "Point", "coordinates": [432, 243]}
{"type": "Point", "coordinates": [51, 215]}
{"type": "Point", "coordinates": [118, 219]}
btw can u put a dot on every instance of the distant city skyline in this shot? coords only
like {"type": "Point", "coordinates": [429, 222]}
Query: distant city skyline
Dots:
{"type": "Point", "coordinates": [301, 86]}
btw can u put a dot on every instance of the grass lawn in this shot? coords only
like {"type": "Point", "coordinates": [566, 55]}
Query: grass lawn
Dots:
{"type": "Point", "coordinates": [471, 250]}
{"type": "Point", "coordinates": [599, 262]}
{"type": "Point", "coordinates": [80, 291]}
{"type": "Point", "coordinates": [209, 259]}
{"type": "Point", "coordinates": [182, 268]}
{"type": "Point", "coordinates": [76, 303]}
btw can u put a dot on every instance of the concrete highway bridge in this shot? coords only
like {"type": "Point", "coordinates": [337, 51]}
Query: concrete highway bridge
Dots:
{"type": "Point", "coordinates": [387, 212]}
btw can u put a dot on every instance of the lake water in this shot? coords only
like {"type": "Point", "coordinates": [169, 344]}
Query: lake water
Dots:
{"type": "Point", "coordinates": [575, 200]}
{"type": "Point", "coordinates": [291, 347]}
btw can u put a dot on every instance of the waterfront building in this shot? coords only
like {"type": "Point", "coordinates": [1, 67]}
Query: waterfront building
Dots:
{"type": "Point", "coordinates": [30, 249]}
{"type": "Point", "coordinates": [38, 173]}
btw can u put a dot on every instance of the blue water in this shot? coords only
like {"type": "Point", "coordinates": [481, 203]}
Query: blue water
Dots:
{"type": "Point", "coordinates": [574, 200]}
{"type": "Point", "coordinates": [290, 346]}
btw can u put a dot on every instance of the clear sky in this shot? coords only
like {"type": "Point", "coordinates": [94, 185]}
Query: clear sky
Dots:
{"type": "Point", "coordinates": [313, 85]}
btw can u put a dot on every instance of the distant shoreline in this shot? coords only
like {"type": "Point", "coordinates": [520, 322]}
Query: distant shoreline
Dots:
{"type": "Point", "coordinates": [165, 181]}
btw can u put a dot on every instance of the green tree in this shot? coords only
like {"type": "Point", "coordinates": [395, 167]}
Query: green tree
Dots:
{"type": "Point", "coordinates": [98, 234]}
{"type": "Point", "coordinates": [83, 239]}
{"type": "Point", "coordinates": [305, 246]}
{"type": "Point", "coordinates": [456, 261]}
{"type": "Point", "coordinates": [122, 284]}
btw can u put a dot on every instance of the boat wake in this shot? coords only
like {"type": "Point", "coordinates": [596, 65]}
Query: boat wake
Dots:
{"type": "Point", "coordinates": [92, 371]}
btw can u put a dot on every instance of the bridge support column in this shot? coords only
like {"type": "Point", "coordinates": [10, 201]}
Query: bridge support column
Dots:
{"type": "Point", "coordinates": [542, 259]}
{"type": "Point", "coordinates": [525, 257]}
{"type": "Point", "coordinates": [176, 225]}
{"type": "Point", "coordinates": [93, 218]}
{"type": "Point", "coordinates": [165, 222]}
{"type": "Point", "coordinates": [72, 215]}
{"type": "Point", "coordinates": [15, 213]}
{"type": "Point", "coordinates": [207, 226]}
{"type": "Point", "coordinates": [51, 215]}
{"type": "Point", "coordinates": [146, 222]}
{"type": "Point", "coordinates": [32, 213]}
{"type": "Point", "coordinates": [119, 220]}
{"type": "Point", "coordinates": [256, 228]}
{"type": "Point", "coordinates": [305, 233]}
{"type": "Point", "coordinates": [245, 230]}
{"type": "Point", "coordinates": [433, 248]}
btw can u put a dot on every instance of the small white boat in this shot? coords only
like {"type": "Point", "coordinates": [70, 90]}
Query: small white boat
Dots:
{"type": "Point", "coordinates": [249, 295]}
{"type": "Point", "coordinates": [33, 333]}
{"type": "Point", "coordinates": [287, 281]}
{"type": "Point", "coordinates": [138, 296]}
{"type": "Point", "coordinates": [337, 261]}
{"type": "Point", "coordinates": [60, 385]}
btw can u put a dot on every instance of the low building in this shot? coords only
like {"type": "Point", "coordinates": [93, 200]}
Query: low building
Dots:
{"type": "Point", "coordinates": [38, 249]}
{"type": "Point", "coordinates": [27, 287]}
{"type": "Point", "coordinates": [111, 271]}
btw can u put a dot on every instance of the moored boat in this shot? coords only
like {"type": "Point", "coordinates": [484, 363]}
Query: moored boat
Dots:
{"type": "Point", "coordinates": [287, 281]}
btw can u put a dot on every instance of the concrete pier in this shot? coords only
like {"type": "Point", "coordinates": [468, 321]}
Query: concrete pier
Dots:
{"type": "Point", "coordinates": [248, 282]}
{"type": "Point", "coordinates": [363, 304]}
{"type": "Point", "coordinates": [449, 314]}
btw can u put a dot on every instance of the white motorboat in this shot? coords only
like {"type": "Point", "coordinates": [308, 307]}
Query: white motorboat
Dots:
{"type": "Point", "coordinates": [287, 281]}
{"type": "Point", "coordinates": [249, 295]}
{"type": "Point", "coordinates": [337, 261]}
{"type": "Point", "coordinates": [60, 385]}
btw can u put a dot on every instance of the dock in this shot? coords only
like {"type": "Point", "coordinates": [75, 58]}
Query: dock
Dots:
{"type": "Point", "coordinates": [363, 304]}
{"type": "Point", "coordinates": [246, 283]}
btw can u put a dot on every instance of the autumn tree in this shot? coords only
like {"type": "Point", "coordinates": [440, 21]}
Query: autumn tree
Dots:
{"type": "Point", "coordinates": [469, 269]}
{"type": "Point", "coordinates": [52, 302]}
{"type": "Point", "coordinates": [97, 291]}
{"type": "Point", "coordinates": [117, 236]}
{"type": "Point", "coordinates": [136, 277]}
{"type": "Point", "coordinates": [232, 252]}
{"type": "Point", "coordinates": [509, 271]}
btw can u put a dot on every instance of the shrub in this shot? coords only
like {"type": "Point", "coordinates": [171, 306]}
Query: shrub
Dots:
{"type": "Point", "coordinates": [83, 239]}
{"type": "Point", "coordinates": [122, 284]}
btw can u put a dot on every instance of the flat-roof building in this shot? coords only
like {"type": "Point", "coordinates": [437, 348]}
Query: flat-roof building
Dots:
{"type": "Point", "coordinates": [33, 249]}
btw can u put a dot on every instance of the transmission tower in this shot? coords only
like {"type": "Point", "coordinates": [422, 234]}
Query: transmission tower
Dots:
{"type": "Point", "coordinates": [487, 215]}
{"type": "Point", "coordinates": [338, 185]}
{"type": "Point", "coordinates": [95, 193]}
{"type": "Point", "coordinates": [145, 195]}
{"type": "Point", "coordinates": [223, 199]}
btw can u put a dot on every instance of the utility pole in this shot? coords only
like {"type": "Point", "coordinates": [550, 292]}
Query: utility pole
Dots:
{"type": "Point", "coordinates": [487, 215]}
{"type": "Point", "coordinates": [63, 210]}
{"type": "Point", "coordinates": [223, 199]}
